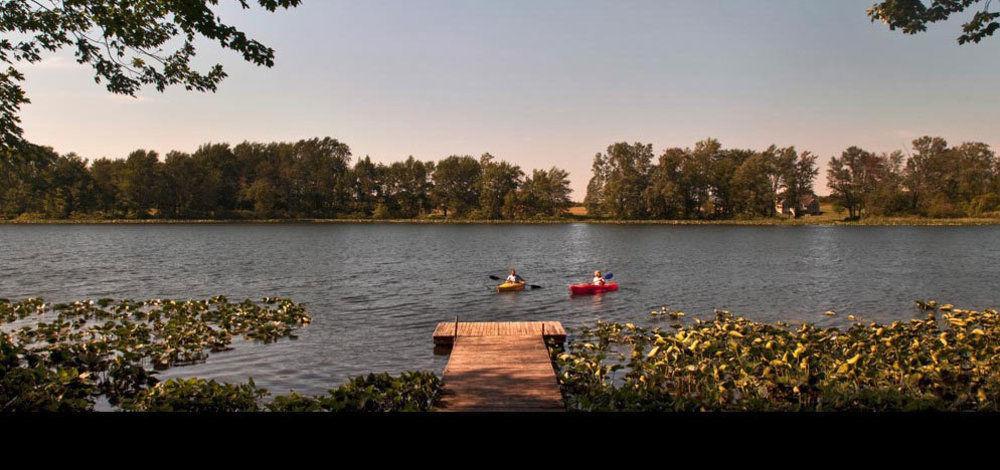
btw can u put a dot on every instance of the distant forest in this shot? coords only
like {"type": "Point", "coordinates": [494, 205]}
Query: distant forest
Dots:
{"type": "Point", "coordinates": [315, 178]}
{"type": "Point", "coordinates": [709, 182]}
{"type": "Point", "coordinates": [306, 179]}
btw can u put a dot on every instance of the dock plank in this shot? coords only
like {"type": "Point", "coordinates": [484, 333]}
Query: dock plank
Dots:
{"type": "Point", "coordinates": [444, 332]}
{"type": "Point", "coordinates": [499, 366]}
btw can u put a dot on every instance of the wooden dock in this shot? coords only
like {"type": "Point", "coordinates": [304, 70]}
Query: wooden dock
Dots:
{"type": "Point", "coordinates": [499, 366]}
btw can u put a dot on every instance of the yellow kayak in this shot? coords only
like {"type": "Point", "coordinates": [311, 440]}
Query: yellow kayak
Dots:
{"type": "Point", "coordinates": [510, 287]}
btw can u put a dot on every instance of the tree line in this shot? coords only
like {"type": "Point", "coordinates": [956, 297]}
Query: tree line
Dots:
{"type": "Point", "coordinates": [706, 182]}
{"type": "Point", "coordinates": [312, 178]}
{"type": "Point", "coordinates": [316, 178]}
{"type": "Point", "coordinates": [934, 181]}
{"type": "Point", "coordinates": [710, 182]}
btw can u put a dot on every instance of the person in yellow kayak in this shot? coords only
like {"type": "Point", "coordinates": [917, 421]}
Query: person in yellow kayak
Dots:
{"type": "Point", "coordinates": [512, 283]}
{"type": "Point", "coordinates": [598, 279]}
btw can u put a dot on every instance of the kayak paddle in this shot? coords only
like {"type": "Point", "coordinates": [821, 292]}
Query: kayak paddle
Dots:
{"type": "Point", "coordinates": [498, 278]}
{"type": "Point", "coordinates": [608, 276]}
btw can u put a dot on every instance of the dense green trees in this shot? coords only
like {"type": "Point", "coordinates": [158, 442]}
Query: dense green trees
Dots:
{"type": "Point", "coordinates": [753, 186]}
{"type": "Point", "coordinates": [936, 181]}
{"type": "Point", "coordinates": [853, 178]}
{"type": "Point", "coordinates": [494, 189]}
{"type": "Point", "coordinates": [37, 180]}
{"type": "Point", "coordinates": [498, 182]}
{"type": "Point", "coordinates": [543, 194]}
{"type": "Point", "coordinates": [409, 188]}
{"type": "Point", "coordinates": [707, 182]}
{"type": "Point", "coordinates": [626, 176]}
{"type": "Point", "coordinates": [307, 179]}
{"type": "Point", "coordinates": [711, 182]}
{"type": "Point", "coordinates": [316, 178]}
{"type": "Point", "coordinates": [594, 200]}
{"type": "Point", "coordinates": [456, 188]}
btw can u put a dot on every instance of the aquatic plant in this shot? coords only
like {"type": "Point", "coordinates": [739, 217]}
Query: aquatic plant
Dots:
{"type": "Point", "coordinates": [28, 384]}
{"type": "Point", "coordinates": [198, 395]}
{"type": "Point", "coordinates": [666, 312]}
{"type": "Point", "coordinates": [411, 391]}
{"type": "Point", "coordinates": [113, 348]}
{"type": "Point", "coordinates": [86, 349]}
{"type": "Point", "coordinates": [947, 361]}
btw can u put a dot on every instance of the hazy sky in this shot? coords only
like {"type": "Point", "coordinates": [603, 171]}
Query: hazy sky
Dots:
{"type": "Point", "coordinates": [544, 83]}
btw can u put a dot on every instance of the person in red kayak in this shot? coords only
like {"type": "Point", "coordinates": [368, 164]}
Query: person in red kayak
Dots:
{"type": "Point", "coordinates": [599, 285]}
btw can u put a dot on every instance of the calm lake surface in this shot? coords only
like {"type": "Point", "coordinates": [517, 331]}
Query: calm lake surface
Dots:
{"type": "Point", "coordinates": [375, 291]}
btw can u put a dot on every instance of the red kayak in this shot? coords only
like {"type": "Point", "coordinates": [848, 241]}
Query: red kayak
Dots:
{"type": "Point", "coordinates": [590, 289]}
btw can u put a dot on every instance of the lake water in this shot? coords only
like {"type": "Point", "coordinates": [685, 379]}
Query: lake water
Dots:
{"type": "Point", "coordinates": [375, 291]}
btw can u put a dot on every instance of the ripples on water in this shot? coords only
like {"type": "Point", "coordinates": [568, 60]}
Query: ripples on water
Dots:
{"type": "Point", "coordinates": [376, 291]}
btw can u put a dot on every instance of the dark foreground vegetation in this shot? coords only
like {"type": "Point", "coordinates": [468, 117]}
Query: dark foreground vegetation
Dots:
{"type": "Point", "coordinates": [315, 179]}
{"type": "Point", "coordinates": [949, 361]}
{"type": "Point", "coordinates": [111, 351]}
{"type": "Point", "coordinates": [84, 351]}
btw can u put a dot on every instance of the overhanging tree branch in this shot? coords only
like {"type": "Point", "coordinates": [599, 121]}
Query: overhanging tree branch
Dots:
{"type": "Point", "coordinates": [913, 16]}
{"type": "Point", "coordinates": [128, 50]}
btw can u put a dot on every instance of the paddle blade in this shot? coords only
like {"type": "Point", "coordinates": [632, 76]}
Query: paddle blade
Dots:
{"type": "Point", "coordinates": [608, 276]}
{"type": "Point", "coordinates": [534, 286]}
{"type": "Point", "coordinates": [495, 278]}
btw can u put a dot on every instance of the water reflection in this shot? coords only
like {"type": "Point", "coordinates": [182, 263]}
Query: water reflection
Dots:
{"type": "Point", "coordinates": [377, 291]}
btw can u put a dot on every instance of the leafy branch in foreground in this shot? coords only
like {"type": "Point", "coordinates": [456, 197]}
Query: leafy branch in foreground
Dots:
{"type": "Point", "coordinates": [733, 364]}
{"type": "Point", "coordinates": [123, 41]}
{"type": "Point", "coordinates": [913, 16]}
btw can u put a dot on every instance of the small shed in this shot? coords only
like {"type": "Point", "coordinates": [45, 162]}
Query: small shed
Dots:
{"type": "Point", "coordinates": [807, 205]}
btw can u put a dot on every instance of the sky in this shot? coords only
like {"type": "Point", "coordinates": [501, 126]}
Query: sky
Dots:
{"type": "Point", "coordinates": [548, 83]}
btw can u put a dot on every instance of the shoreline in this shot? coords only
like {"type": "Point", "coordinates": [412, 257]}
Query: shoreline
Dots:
{"type": "Point", "coordinates": [873, 222]}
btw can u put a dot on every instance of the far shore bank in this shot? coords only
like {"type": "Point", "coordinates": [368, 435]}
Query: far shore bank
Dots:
{"type": "Point", "coordinates": [807, 221]}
